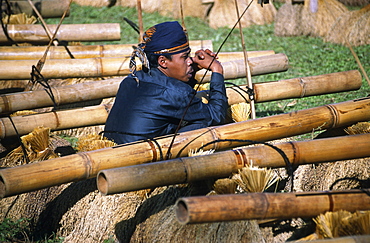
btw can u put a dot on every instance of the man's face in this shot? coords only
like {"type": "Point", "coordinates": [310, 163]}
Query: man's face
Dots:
{"type": "Point", "coordinates": [179, 67]}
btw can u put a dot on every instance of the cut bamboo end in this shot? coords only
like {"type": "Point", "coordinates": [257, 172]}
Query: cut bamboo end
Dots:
{"type": "Point", "coordinates": [102, 184]}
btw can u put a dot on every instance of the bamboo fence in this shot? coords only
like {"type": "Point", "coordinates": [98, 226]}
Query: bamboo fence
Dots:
{"type": "Point", "coordinates": [35, 33]}
{"type": "Point", "coordinates": [267, 91]}
{"type": "Point", "coordinates": [224, 164]}
{"type": "Point", "coordinates": [250, 206]}
{"type": "Point", "coordinates": [119, 66]}
{"type": "Point", "coordinates": [86, 165]}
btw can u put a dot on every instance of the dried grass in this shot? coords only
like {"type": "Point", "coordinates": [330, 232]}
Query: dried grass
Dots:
{"type": "Point", "coordinates": [358, 128]}
{"type": "Point", "coordinates": [353, 26]}
{"type": "Point", "coordinates": [20, 18]}
{"type": "Point", "coordinates": [253, 179]}
{"type": "Point", "coordinates": [37, 145]}
{"type": "Point", "coordinates": [319, 23]}
{"type": "Point", "coordinates": [91, 142]}
{"type": "Point", "coordinates": [288, 20]}
{"type": "Point", "coordinates": [224, 186]}
{"type": "Point", "coordinates": [223, 14]}
{"type": "Point", "coordinates": [342, 223]}
{"type": "Point", "coordinates": [240, 112]}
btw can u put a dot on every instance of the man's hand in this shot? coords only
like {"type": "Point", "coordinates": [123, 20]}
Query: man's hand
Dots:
{"type": "Point", "coordinates": [207, 59]}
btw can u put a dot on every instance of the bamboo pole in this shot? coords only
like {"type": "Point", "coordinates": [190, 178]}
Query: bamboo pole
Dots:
{"type": "Point", "coordinates": [56, 120]}
{"type": "Point", "coordinates": [224, 164]}
{"type": "Point", "coordinates": [91, 51]}
{"type": "Point", "coordinates": [268, 91]}
{"type": "Point", "coordinates": [249, 206]}
{"type": "Point", "coordinates": [86, 165]}
{"type": "Point", "coordinates": [35, 33]}
{"type": "Point", "coordinates": [114, 66]}
{"type": "Point", "coordinates": [258, 66]}
{"type": "Point", "coordinates": [47, 8]}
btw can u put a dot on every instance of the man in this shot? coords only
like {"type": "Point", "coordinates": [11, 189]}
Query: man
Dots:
{"type": "Point", "coordinates": [159, 98]}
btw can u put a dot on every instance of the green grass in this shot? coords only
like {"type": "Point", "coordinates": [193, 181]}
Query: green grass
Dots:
{"type": "Point", "coordinates": [307, 56]}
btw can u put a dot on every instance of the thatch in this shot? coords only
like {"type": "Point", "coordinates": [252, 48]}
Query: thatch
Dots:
{"type": "Point", "coordinates": [353, 25]}
{"type": "Point", "coordinates": [95, 3]}
{"type": "Point", "coordinates": [355, 2]}
{"type": "Point", "coordinates": [223, 14]}
{"type": "Point", "coordinates": [319, 23]}
{"type": "Point", "coordinates": [288, 20]}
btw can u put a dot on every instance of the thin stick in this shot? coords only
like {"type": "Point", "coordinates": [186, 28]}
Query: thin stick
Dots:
{"type": "Point", "coordinates": [140, 19]}
{"type": "Point", "coordinates": [247, 68]}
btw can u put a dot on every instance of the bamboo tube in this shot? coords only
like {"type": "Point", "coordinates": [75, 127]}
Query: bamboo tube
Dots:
{"type": "Point", "coordinates": [57, 120]}
{"type": "Point", "coordinates": [224, 164]}
{"type": "Point", "coordinates": [258, 66]}
{"type": "Point", "coordinates": [35, 33]}
{"type": "Point", "coordinates": [91, 51]}
{"type": "Point", "coordinates": [114, 66]}
{"type": "Point", "coordinates": [249, 206]}
{"type": "Point", "coordinates": [268, 91]}
{"type": "Point", "coordinates": [47, 8]}
{"type": "Point", "coordinates": [86, 165]}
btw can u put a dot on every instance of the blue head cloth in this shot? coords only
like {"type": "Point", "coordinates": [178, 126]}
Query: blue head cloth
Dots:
{"type": "Point", "coordinates": [165, 38]}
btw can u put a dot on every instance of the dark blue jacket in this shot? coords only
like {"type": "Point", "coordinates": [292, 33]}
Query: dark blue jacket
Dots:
{"type": "Point", "coordinates": [155, 105]}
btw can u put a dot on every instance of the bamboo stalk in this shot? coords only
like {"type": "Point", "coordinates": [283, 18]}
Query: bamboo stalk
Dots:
{"type": "Point", "coordinates": [268, 91]}
{"type": "Point", "coordinates": [224, 164]}
{"type": "Point", "coordinates": [258, 66]}
{"type": "Point", "coordinates": [47, 8]}
{"type": "Point", "coordinates": [249, 206]}
{"type": "Point", "coordinates": [86, 165]}
{"type": "Point", "coordinates": [91, 51]}
{"type": "Point", "coordinates": [114, 66]}
{"type": "Point", "coordinates": [35, 33]}
{"type": "Point", "coordinates": [57, 120]}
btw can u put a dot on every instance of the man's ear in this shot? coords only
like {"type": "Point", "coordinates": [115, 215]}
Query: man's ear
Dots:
{"type": "Point", "coordinates": [162, 61]}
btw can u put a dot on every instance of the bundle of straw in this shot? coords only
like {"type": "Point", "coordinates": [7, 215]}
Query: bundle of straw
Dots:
{"type": "Point", "coordinates": [342, 223]}
{"type": "Point", "coordinates": [37, 147]}
{"type": "Point", "coordinates": [224, 186]}
{"type": "Point", "coordinates": [91, 142]}
{"type": "Point", "coordinates": [358, 128]}
{"type": "Point", "coordinates": [254, 179]}
{"type": "Point", "coordinates": [240, 112]}
{"type": "Point", "coordinates": [20, 18]}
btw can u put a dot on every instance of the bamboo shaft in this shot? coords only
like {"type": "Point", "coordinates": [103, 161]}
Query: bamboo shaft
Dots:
{"type": "Point", "coordinates": [91, 51]}
{"type": "Point", "coordinates": [224, 164]}
{"type": "Point", "coordinates": [35, 33]}
{"type": "Point", "coordinates": [56, 120]}
{"type": "Point", "coordinates": [258, 66]}
{"type": "Point", "coordinates": [203, 209]}
{"type": "Point", "coordinates": [47, 8]}
{"type": "Point", "coordinates": [268, 91]}
{"type": "Point", "coordinates": [86, 165]}
{"type": "Point", "coordinates": [114, 66]}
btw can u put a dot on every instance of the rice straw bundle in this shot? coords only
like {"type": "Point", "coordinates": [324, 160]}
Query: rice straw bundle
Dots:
{"type": "Point", "coordinates": [37, 145]}
{"type": "Point", "coordinates": [358, 128]}
{"type": "Point", "coordinates": [319, 23]}
{"type": "Point", "coordinates": [223, 14]}
{"type": "Point", "coordinates": [254, 179]}
{"type": "Point", "coordinates": [20, 18]}
{"type": "Point", "coordinates": [342, 223]}
{"type": "Point", "coordinates": [224, 186]}
{"type": "Point", "coordinates": [92, 142]}
{"type": "Point", "coordinates": [240, 112]}
{"type": "Point", "coordinates": [288, 20]}
{"type": "Point", "coordinates": [353, 25]}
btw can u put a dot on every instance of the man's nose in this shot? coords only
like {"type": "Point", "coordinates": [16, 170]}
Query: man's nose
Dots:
{"type": "Point", "coordinates": [190, 61]}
